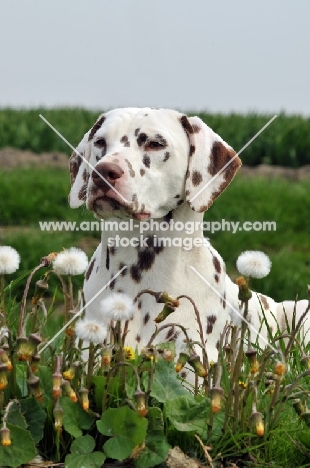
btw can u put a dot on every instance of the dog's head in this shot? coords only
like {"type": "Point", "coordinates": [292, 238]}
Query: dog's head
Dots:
{"type": "Point", "coordinates": [143, 163]}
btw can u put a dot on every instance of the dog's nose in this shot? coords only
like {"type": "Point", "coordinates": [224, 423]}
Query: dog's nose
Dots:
{"type": "Point", "coordinates": [106, 171]}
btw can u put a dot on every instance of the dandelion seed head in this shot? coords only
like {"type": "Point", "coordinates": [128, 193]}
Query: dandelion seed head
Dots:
{"type": "Point", "coordinates": [91, 330]}
{"type": "Point", "coordinates": [9, 260]}
{"type": "Point", "coordinates": [71, 261]}
{"type": "Point", "coordinates": [254, 263]}
{"type": "Point", "coordinates": [117, 306]}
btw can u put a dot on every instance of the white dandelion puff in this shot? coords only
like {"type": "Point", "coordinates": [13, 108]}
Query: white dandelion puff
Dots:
{"type": "Point", "coordinates": [72, 261]}
{"type": "Point", "coordinates": [9, 260]}
{"type": "Point", "coordinates": [91, 330]}
{"type": "Point", "coordinates": [117, 306]}
{"type": "Point", "coordinates": [254, 263]}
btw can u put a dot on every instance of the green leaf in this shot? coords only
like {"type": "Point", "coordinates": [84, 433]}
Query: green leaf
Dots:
{"type": "Point", "coordinates": [15, 416]}
{"type": "Point", "coordinates": [126, 428]}
{"type": "Point", "coordinates": [119, 447]}
{"type": "Point", "coordinates": [82, 454]}
{"type": "Point", "coordinates": [75, 418]}
{"type": "Point", "coordinates": [155, 419]}
{"type": "Point", "coordinates": [155, 451]}
{"type": "Point", "coordinates": [35, 417]}
{"type": "Point", "coordinates": [46, 381]}
{"type": "Point", "coordinates": [20, 451]}
{"type": "Point", "coordinates": [188, 415]}
{"type": "Point", "coordinates": [166, 384]}
{"type": "Point", "coordinates": [84, 444]}
{"type": "Point", "coordinates": [304, 438]}
{"type": "Point", "coordinates": [21, 379]}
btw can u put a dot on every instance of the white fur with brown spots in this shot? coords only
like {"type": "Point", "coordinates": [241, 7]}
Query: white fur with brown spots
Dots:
{"type": "Point", "coordinates": [155, 161]}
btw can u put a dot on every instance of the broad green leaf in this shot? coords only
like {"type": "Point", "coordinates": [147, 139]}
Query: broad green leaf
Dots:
{"type": "Point", "coordinates": [166, 384]}
{"type": "Point", "coordinates": [187, 415]}
{"type": "Point", "coordinates": [82, 454]}
{"type": "Point", "coordinates": [20, 451]}
{"type": "Point", "coordinates": [155, 451]}
{"type": "Point", "coordinates": [15, 416]}
{"type": "Point", "coordinates": [75, 418]}
{"type": "Point", "coordinates": [35, 417]}
{"type": "Point", "coordinates": [119, 447]}
{"type": "Point", "coordinates": [155, 419]}
{"type": "Point", "coordinates": [89, 460]}
{"type": "Point", "coordinates": [123, 421]}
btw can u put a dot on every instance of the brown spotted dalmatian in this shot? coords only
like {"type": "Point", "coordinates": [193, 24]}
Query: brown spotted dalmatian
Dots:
{"type": "Point", "coordinates": [141, 165]}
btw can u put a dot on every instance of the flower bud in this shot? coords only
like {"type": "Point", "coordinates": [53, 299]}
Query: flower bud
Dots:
{"type": "Point", "coordinates": [33, 383]}
{"type": "Point", "coordinates": [182, 360]}
{"type": "Point", "coordinates": [167, 310]}
{"type": "Point", "coordinates": [58, 416]}
{"type": "Point", "coordinates": [35, 362]}
{"type": "Point", "coordinates": [25, 349]}
{"type": "Point", "coordinates": [257, 421]}
{"type": "Point", "coordinates": [139, 397]}
{"type": "Point", "coordinates": [69, 390]}
{"type": "Point", "coordinates": [251, 354]}
{"type": "Point", "coordinates": [197, 365]}
{"type": "Point", "coordinates": [165, 298]}
{"type": "Point", "coordinates": [245, 293]}
{"type": "Point", "coordinates": [216, 395]}
{"type": "Point", "coordinates": [57, 381]}
{"type": "Point", "coordinates": [129, 353]}
{"type": "Point", "coordinates": [280, 368]}
{"type": "Point", "coordinates": [84, 398]}
{"type": "Point", "coordinates": [4, 359]}
{"type": "Point", "coordinates": [106, 357]}
{"type": "Point", "coordinates": [5, 436]}
{"type": "Point", "coordinates": [3, 376]}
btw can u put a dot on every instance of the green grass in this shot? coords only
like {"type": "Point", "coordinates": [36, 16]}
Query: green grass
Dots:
{"type": "Point", "coordinates": [30, 195]}
{"type": "Point", "coordinates": [285, 142]}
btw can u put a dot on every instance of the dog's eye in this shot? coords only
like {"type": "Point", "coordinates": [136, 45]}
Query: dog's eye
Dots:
{"type": "Point", "coordinates": [154, 145]}
{"type": "Point", "coordinates": [100, 143]}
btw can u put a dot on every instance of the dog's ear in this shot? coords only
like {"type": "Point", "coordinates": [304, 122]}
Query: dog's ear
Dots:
{"type": "Point", "coordinates": [212, 164]}
{"type": "Point", "coordinates": [79, 173]}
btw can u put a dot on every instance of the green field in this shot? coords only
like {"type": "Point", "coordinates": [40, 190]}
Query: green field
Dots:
{"type": "Point", "coordinates": [285, 142]}
{"type": "Point", "coordinates": [31, 195]}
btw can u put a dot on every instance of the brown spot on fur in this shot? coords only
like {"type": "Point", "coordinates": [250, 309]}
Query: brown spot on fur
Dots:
{"type": "Point", "coordinates": [210, 323]}
{"type": "Point", "coordinates": [264, 301]}
{"type": "Point", "coordinates": [138, 338]}
{"type": "Point", "coordinates": [177, 196]}
{"type": "Point", "coordinates": [170, 333]}
{"type": "Point", "coordinates": [187, 174]}
{"type": "Point", "coordinates": [196, 128]}
{"type": "Point", "coordinates": [183, 374]}
{"type": "Point", "coordinates": [186, 125]}
{"type": "Point", "coordinates": [146, 318]}
{"type": "Point", "coordinates": [121, 265]}
{"type": "Point", "coordinates": [187, 192]}
{"type": "Point", "coordinates": [124, 140]}
{"type": "Point", "coordinates": [220, 156]}
{"type": "Point", "coordinates": [167, 156]}
{"type": "Point", "coordinates": [196, 178]}
{"type": "Point", "coordinates": [96, 127]}
{"type": "Point", "coordinates": [217, 264]}
{"type": "Point", "coordinates": [192, 150]}
{"type": "Point", "coordinates": [75, 162]}
{"type": "Point", "coordinates": [180, 202]}
{"type": "Point", "coordinates": [85, 175]}
{"type": "Point", "coordinates": [216, 278]}
{"type": "Point", "coordinates": [140, 305]}
{"type": "Point", "coordinates": [135, 273]}
{"type": "Point", "coordinates": [113, 282]}
{"type": "Point", "coordinates": [82, 193]}
{"type": "Point", "coordinates": [137, 130]}
{"type": "Point", "coordinates": [146, 160]}
{"type": "Point", "coordinates": [142, 172]}
{"type": "Point", "coordinates": [90, 269]}
{"type": "Point", "coordinates": [131, 171]}
{"type": "Point", "coordinates": [217, 345]}
{"type": "Point", "coordinates": [141, 139]}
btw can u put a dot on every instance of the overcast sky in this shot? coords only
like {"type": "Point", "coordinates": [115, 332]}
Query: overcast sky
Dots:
{"type": "Point", "coordinates": [233, 55]}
